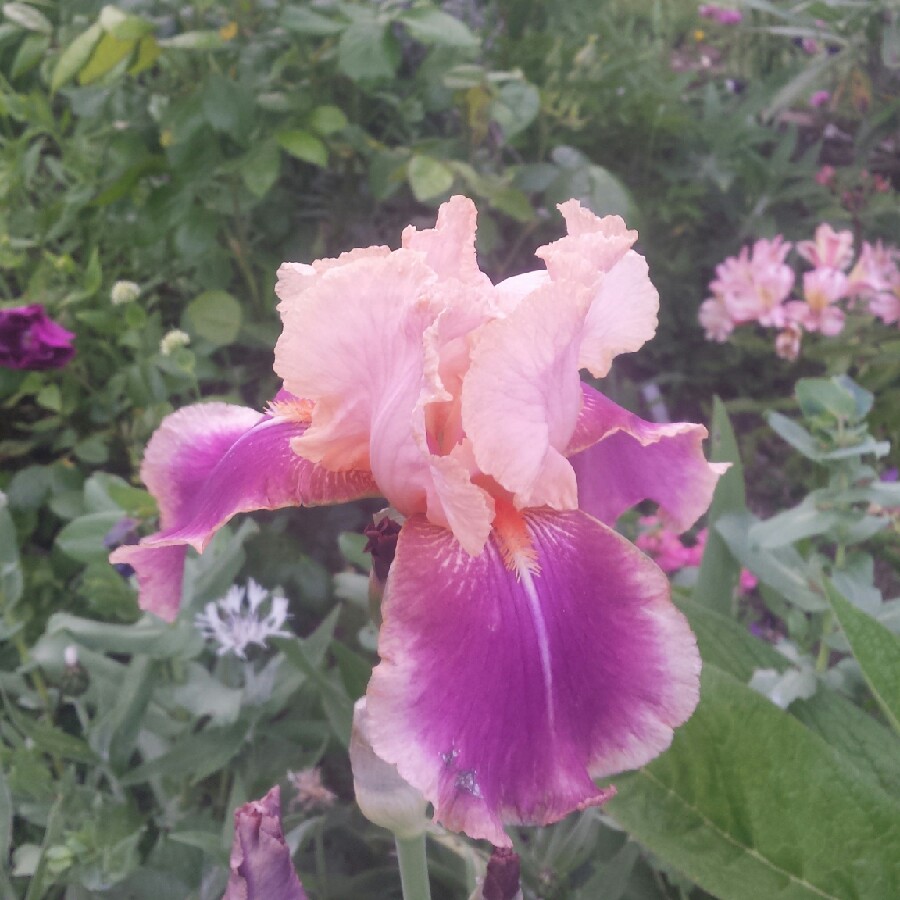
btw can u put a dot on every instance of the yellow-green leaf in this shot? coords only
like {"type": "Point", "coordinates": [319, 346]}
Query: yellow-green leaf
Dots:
{"type": "Point", "coordinates": [304, 146]}
{"type": "Point", "coordinates": [110, 51]}
{"type": "Point", "coordinates": [74, 57]}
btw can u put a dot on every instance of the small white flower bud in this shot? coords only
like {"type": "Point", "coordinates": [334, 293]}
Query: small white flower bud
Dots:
{"type": "Point", "coordinates": [124, 292]}
{"type": "Point", "coordinates": [383, 796]}
{"type": "Point", "coordinates": [70, 655]}
{"type": "Point", "coordinates": [172, 340]}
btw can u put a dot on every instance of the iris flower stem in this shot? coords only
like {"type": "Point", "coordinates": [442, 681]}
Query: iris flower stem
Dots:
{"type": "Point", "coordinates": [413, 868]}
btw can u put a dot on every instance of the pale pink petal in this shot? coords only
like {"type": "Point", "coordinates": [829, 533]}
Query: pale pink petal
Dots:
{"type": "Point", "coordinates": [521, 396]}
{"type": "Point", "coordinates": [449, 247]}
{"type": "Point", "coordinates": [509, 681]}
{"type": "Point", "coordinates": [511, 291]}
{"type": "Point", "coordinates": [622, 317]}
{"type": "Point", "coordinates": [261, 867]}
{"type": "Point", "coordinates": [211, 461]}
{"type": "Point", "coordinates": [620, 460]}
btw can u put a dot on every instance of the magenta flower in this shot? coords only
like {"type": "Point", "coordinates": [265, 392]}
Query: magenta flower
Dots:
{"type": "Point", "coordinates": [526, 647]}
{"type": "Point", "coordinates": [31, 340]}
{"type": "Point", "coordinates": [818, 99]}
{"type": "Point", "coordinates": [261, 867]}
{"type": "Point", "coordinates": [721, 14]}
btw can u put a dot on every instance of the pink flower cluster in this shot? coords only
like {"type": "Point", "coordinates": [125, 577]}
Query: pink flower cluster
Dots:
{"type": "Point", "coordinates": [757, 284]}
{"type": "Point", "coordinates": [670, 554]}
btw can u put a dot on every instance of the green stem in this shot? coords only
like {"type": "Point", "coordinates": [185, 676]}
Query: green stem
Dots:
{"type": "Point", "coordinates": [824, 649]}
{"type": "Point", "coordinates": [413, 868]}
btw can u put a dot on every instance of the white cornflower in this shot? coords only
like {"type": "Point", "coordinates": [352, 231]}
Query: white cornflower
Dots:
{"type": "Point", "coordinates": [238, 619]}
{"type": "Point", "coordinates": [124, 292]}
{"type": "Point", "coordinates": [172, 340]}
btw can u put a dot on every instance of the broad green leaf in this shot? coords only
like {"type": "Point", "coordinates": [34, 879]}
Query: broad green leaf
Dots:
{"type": "Point", "coordinates": [31, 51]}
{"type": "Point", "coordinates": [108, 53]}
{"type": "Point", "coordinates": [82, 538]}
{"type": "Point", "coordinates": [193, 756]}
{"type": "Point", "coordinates": [27, 17]}
{"type": "Point", "coordinates": [796, 435]}
{"type": "Point", "coordinates": [839, 397]}
{"type": "Point", "coordinates": [431, 26]}
{"type": "Point", "coordinates": [302, 20]}
{"type": "Point", "coordinates": [122, 25]}
{"type": "Point", "coordinates": [147, 54]}
{"type": "Point", "coordinates": [515, 107]}
{"type": "Point", "coordinates": [261, 167]}
{"type": "Point", "coordinates": [750, 804]}
{"type": "Point", "coordinates": [327, 119]}
{"type": "Point", "coordinates": [195, 40]}
{"type": "Point", "coordinates": [367, 51]}
{"type": "Point", "coordinates": [865, 742]}
{"type": "Point", "coordinates": [215, 316]}
{"type": "Point", "coordinates": [428, 177]}
{"type": "Point", "coordinates": [719, 571]}
{"type": "Point", "coordinates": [303, 145]}
{"type": "Point", "coordinates": [876, 650]}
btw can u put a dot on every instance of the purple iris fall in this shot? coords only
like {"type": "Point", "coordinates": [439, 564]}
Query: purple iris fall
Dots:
{"type": "Point", "coordinates": [526, 647]}
{"type": "Point", "coordinates": [29, 339]}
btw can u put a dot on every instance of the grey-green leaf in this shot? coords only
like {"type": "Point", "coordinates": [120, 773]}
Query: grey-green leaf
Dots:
{"type": "Point", "coordinates": [751, 804]}
{"type": "Point", "coordinates": [877, 651]}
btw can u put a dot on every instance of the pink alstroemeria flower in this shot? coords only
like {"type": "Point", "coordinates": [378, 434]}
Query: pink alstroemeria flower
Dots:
{"type": "Point", "coordinates": [829, 250]}
{"type": "Point", "coordinates": [526, 648]}
{"type": "Point", "coordinates": [754, 284]}
{"type": "Point", "coordinates": [822, 288]}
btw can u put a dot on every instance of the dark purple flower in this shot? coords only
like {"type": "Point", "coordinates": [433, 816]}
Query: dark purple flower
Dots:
{"type": "Point", "coordinates": [31, 340]}
{"type": "Point", "coordinates": [261, 867]}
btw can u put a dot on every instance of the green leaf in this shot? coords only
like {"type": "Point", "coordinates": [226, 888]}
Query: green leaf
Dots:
{"type": "Point", "coordinates": [368, 51]}
{"type": "Point", "coordinates": [122, 25]}
{"type": "Point", "coordinates": [193, 756]}
{"type": "Point", "coordinates": [302, 20]}
{"type": "Point", "coordinates": [31, 51]}
{"type": "Point", "coordinates": [6, 815]}
{"type": "Point", "coordinates": [27, 17]}
{"type": "Point", "coordinates": [149, 635]}
{"type": "Point", "coordinates": [428, 177]}
{"type": "Point", "coordinates": [803, 521]}
{"type": "Point", "coordinates": [108, 53]}
{"type": "Point", "coordinates": [11, 582]}
{"type": "Point", "coordinates": [214, 316]}
{"type": "Point", "coordinates": [327, 119]}
{"type": "Point", "coordinates": [195, 40]}
{"type": "Point", "coordinates": [782, 569]}
{"type": "Point", "coordinates": [82, 538]}
{"type": "Point", "coordinates": [750, 804]}
{"type": "Point", "coordinates": [515, 107]}
{"type": "Point", "coordinates": [303, 145]}
{"type": "Point", "coordinates": [431, 26]}
{"type": "Point", "coordinates": [49, 738]}
{"type": "Point", "coordinates": [719, 571]}
{"type": "Point", "coordinates": [261, 167]}
{"type": "Point", "coordinates": [839, 397]}
{"type": "Point", "coordinates": [876, 650]}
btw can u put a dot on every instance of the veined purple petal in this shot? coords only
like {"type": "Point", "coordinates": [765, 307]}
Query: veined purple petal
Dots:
{"type": "Point", "coordinates": [261, 867]}
{"type": "Point", "coordinates": [620, 460]}
{"type": "Point", "coordinates": [508, 681]}
{"type": "Point", "coordinates": [210, 461]}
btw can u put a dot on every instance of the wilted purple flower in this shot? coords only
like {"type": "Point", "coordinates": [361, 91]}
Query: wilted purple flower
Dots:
{"type": "Point", "coordinates": [31, 340]}
{"type": "Point", "coordinates": [819, 99]}
{"type": "Point", "coordinates": [720, 14]}
{"type": "Point", "coordinates": [261, 867]}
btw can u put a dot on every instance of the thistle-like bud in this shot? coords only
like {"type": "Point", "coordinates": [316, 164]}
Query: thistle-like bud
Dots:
{"type": "Point", "coordinates": [382, 795]}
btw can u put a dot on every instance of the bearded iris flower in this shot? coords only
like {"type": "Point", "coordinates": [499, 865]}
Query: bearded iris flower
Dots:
{"type": "Point", "coordinates": [527, 648]}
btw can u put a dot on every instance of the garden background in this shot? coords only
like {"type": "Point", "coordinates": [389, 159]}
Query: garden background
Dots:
{"type": "Point", "coordinates": [159, 160]}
